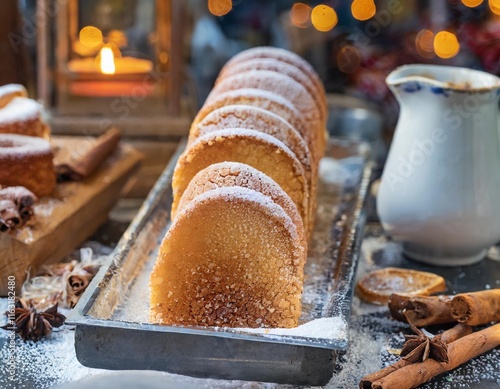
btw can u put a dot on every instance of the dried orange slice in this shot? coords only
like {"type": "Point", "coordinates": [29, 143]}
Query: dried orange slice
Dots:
{"type": "Point", "coordinates": [378, 285]}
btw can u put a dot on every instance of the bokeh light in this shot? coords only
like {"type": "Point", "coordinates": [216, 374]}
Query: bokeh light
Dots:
{"type": "Point", "coordinates": [300, 15]}
{"type": "Point", "coordinates": [495, 6]}
{"type": "Point", "coordinates": [472, 3]}
{"type": "Point", "coordinates": [348, 59]}
{"type": "Point", "coordinates": [424, 43]}
{"type": "Point", "coordinates": [91, 36]}
{"type": "Point", "coordinates": [446, 44]}
{"type": "Point", "coordinates": [220, 7]}
{"type": "Point", "coordinates": [324, 18]}
{"type": "Point", "coordinates": [117, 37]}
{"type": "Point", "coordinates": [363, 9]}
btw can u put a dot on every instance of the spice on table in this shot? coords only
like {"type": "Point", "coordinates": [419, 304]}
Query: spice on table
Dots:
{"type": "Point", "coordinates": [459, 352]}
{"type": "Point", "coordinates": [446, 337]}
{"type": "Point", "coordinates": [377, 286]}
{"type": "Point", "coordinates": [33, 325]}
{"type": "Point", "coordinates": [77, 281]}
{"type": "Point", "coordinates": [85, 165]}
{"type": "Point", "coordinates": [418, 348]}
{"type": "Point", "coordinates": [475, 308]}
{"type": "Point", "coordinates": [9, 216]}
{"type": "Point", "coordinates": [421, 310]}
{"type": "Point", "coordinates": [16, 207]}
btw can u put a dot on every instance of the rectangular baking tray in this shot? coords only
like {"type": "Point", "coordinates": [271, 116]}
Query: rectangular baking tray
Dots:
{"type": "Point", "coordinates": [111, 318]}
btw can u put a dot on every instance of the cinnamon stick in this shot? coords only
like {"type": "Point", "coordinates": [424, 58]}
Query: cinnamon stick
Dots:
{"type": "Point", "coordinates": [459, 352]}
{"type": "Point", "coordinates": [458, 331]}
{"type": "Point", "coordinates": [23, 199]}
{"type": "Point", "coordinates": [9, 216]}
{"type": "Point", "coordinates": [476, 308]}
{"type": "Point", "coordinates": [421, 310]}
{"type": "Point", "coordinates": [448, 336]}
{"type": "Point", "coordinates": [83, 166]}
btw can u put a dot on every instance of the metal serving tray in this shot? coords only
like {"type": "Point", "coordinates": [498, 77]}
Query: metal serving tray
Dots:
{"type": "Point", "coordinates": [111, 317]}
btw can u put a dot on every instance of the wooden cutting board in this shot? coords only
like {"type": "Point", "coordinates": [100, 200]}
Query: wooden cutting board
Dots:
{"type": "Point", "coordinates": [69, 216]}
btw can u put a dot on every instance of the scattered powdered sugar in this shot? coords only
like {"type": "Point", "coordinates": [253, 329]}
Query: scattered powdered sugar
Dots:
{"type": "Point", "coordinates": [43, 210]}
{"type": "Point", "coordinates": [45, 207]}
{"type": "Point", "coordinates": [323, 328]}
{"type": "Point", "coordinates": [43, 364]}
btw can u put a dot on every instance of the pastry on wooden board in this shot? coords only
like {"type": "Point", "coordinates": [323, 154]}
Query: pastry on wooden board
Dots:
{"type": "Point", "coordinates": [27, 161]}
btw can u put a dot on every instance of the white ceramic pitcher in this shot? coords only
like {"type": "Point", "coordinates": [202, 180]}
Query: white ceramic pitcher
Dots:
{"type": "Point", "coordinates": [440, 190]}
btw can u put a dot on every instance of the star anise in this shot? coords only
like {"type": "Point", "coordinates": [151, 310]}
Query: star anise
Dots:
{"type": "Point", "coordinates": [418, 348]}
{"type": "Point", "coordinates": [33, 325]}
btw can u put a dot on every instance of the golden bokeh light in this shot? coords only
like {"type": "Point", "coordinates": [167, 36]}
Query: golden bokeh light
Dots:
{"type": "Point", "coordinates": [363, 9]}
{"type": "Point", "coordinates": [446, 44]}
{"type": "Point", "coordinates": [163, 57]}
{"type": "Point", "coordinates": [91, 36]}
{"type": "Point", "coordinates": [348, 59]}
{"type": "Point", "coordinates": [324, 18]}
{"type": "Point", "coordinates": [424, 43]}
{"type": "Point", "coordinates": [495, 6]}
{"type": "Point", "coordinates": [472, 3]}
{"type": "Point", "coordinates": [220, 7]}
{"type": "Point", "coordinates": [117, 37]}
{"type": "Point", "coordinates": [300, 15]}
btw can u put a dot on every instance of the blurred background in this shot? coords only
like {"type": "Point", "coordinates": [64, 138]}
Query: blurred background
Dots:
{"type": "Point", "coordinates": [166, 55]}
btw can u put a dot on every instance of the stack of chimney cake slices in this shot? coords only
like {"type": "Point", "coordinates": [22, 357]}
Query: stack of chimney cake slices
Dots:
{"type": "Point", "coordinates": [244, 198]}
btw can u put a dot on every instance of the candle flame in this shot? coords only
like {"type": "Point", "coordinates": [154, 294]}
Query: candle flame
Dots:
{"type": "Point", "coordinates": [107, 61]}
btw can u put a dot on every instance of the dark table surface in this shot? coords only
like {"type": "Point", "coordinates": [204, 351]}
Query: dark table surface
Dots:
{"type": "Point", "coordinates": [373, 335]}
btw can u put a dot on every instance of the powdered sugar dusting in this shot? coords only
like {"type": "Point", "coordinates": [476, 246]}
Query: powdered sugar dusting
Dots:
{"type": "Point", "coordinates": [239, 174]}
{"type": "Point", "coordinates": [234, 193]}
{"type": "Point", "coordinates": [255, 118]}
{"type": "Point", "coordinates": [263, 99]}
{"type": "Point", "coordinates": [19, 109]}
{"type": "Point", "coordinates": [277, 53]}
{"type": "Point", "coordinates": [8, 89]}
{"type": "Point", "coordinates": [317, 278]}
{"type": "Point", "coordinates": [274, 82]}
{"type": "Point", "coordinates": [18, 146]}
{"type": "Point", "coordinates": [250, 93]}
{"type": "Point", "coordinates": [275, 65]}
